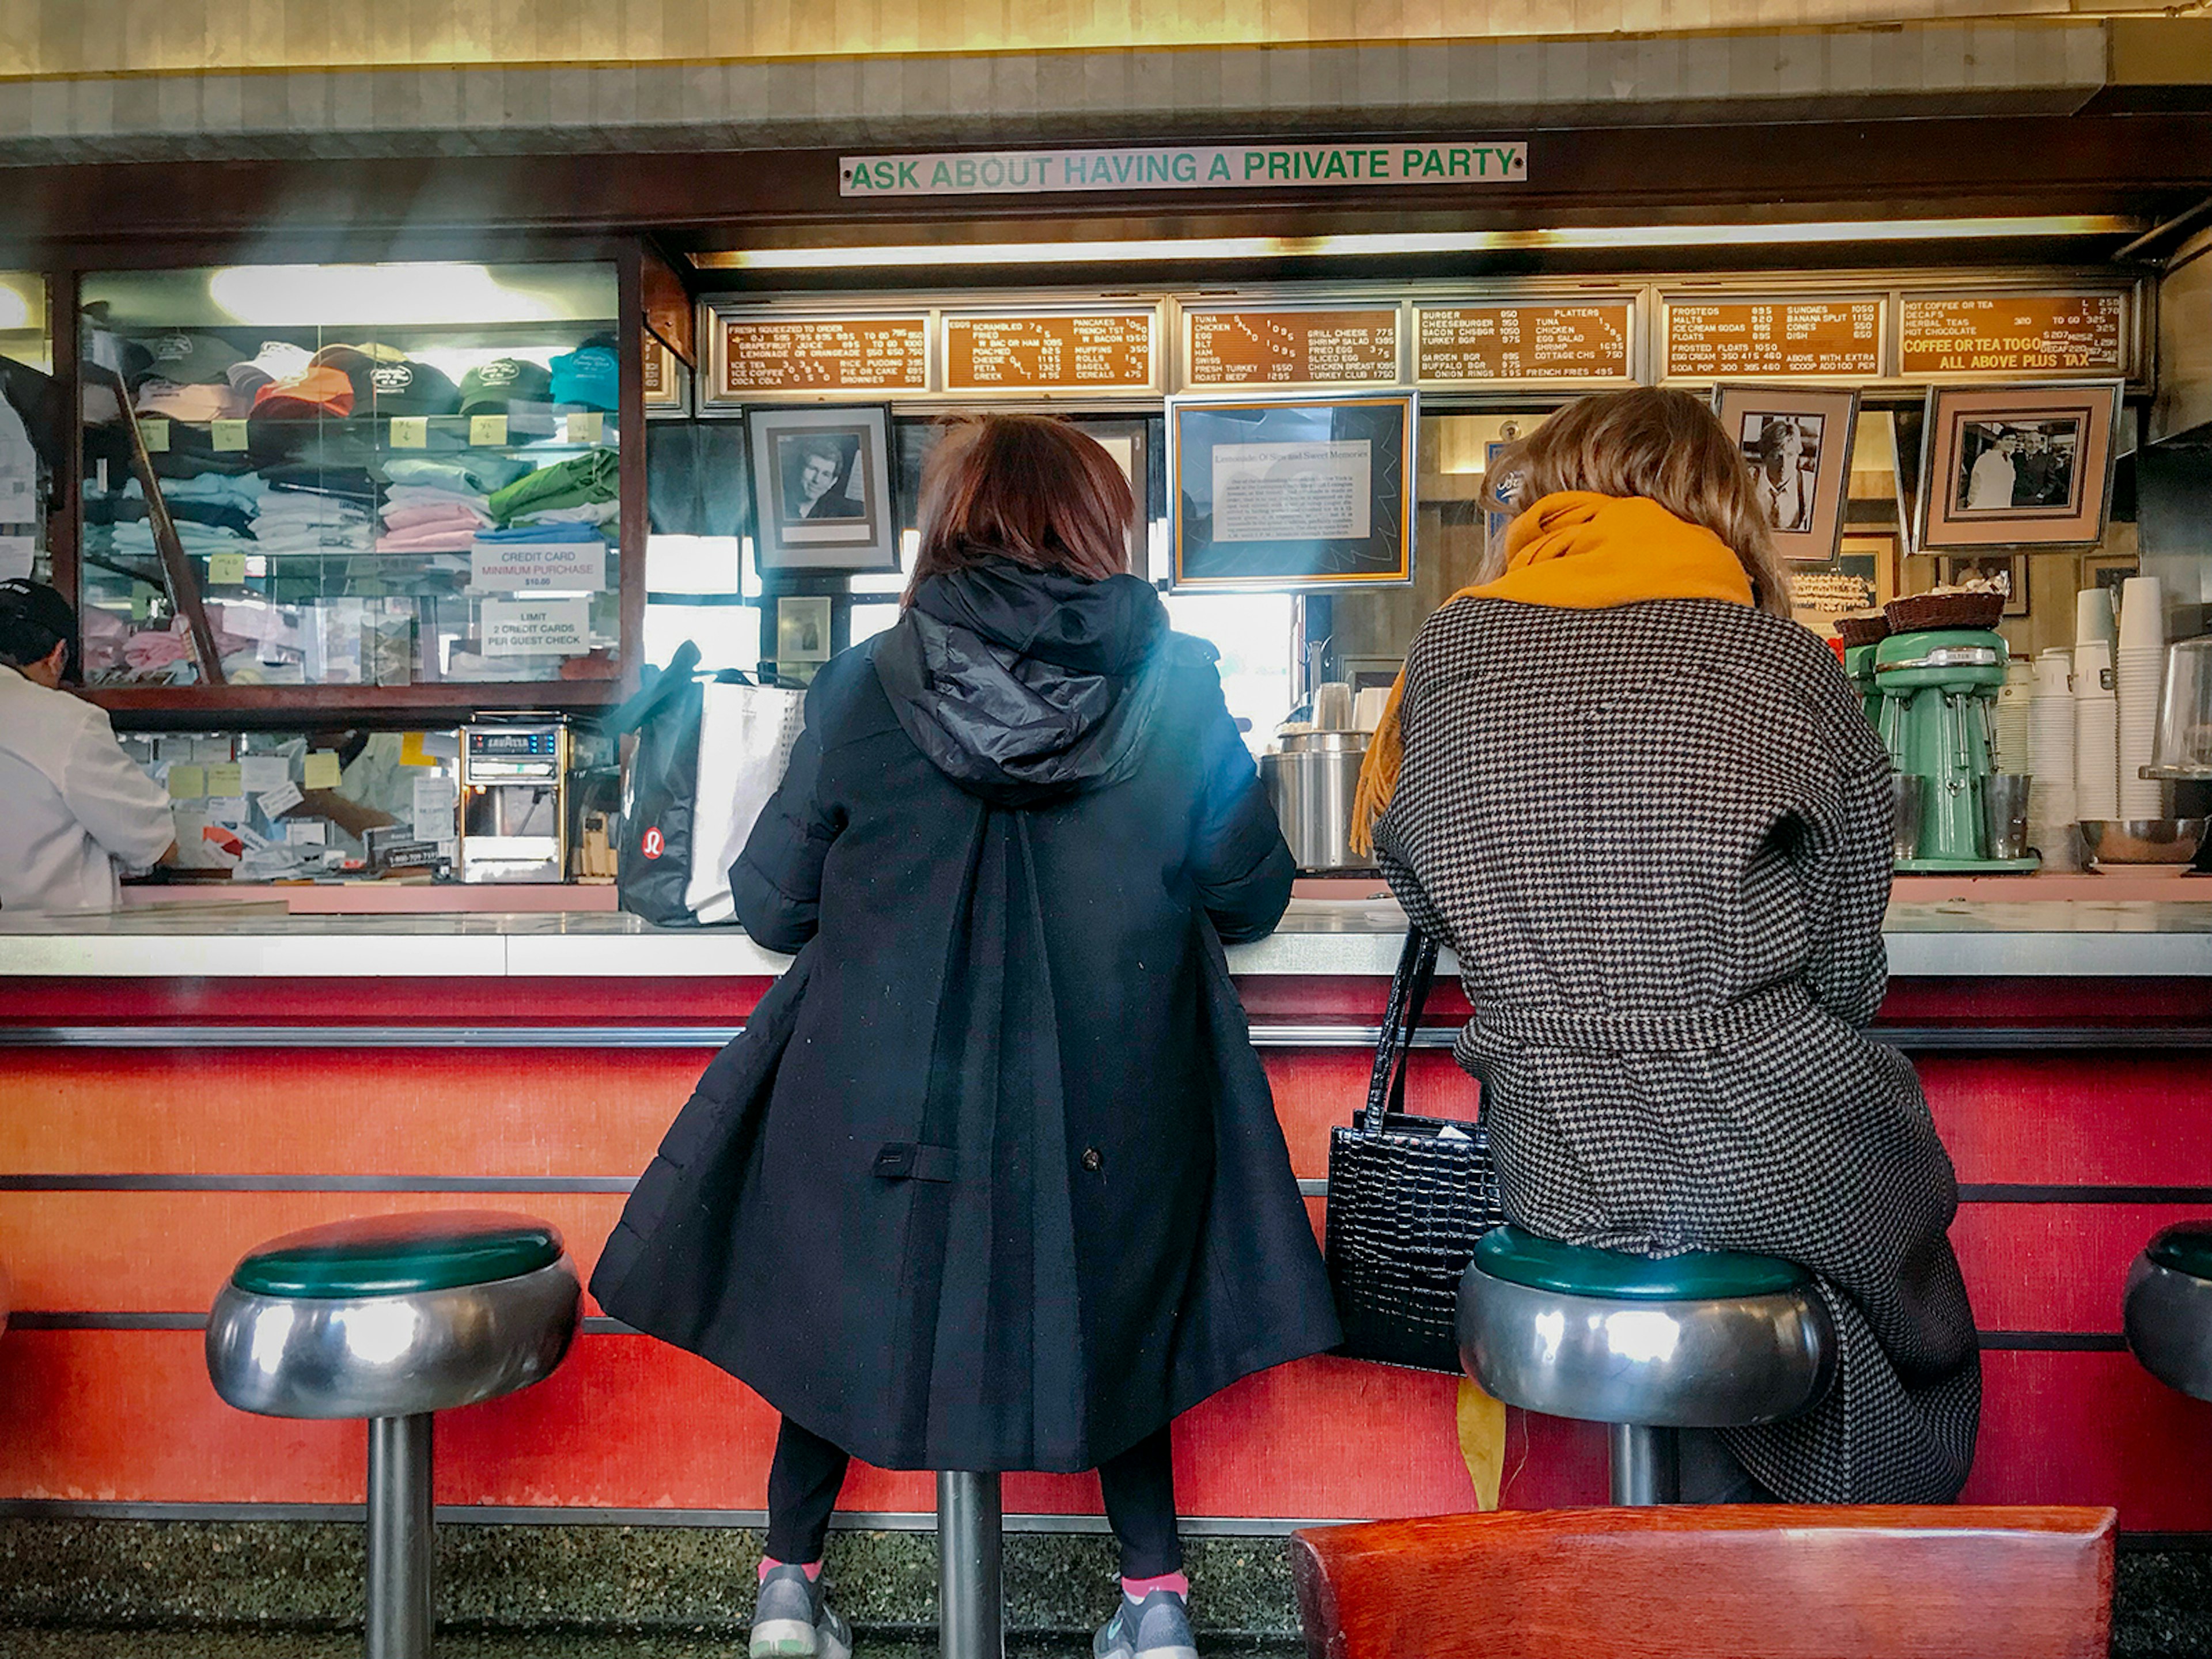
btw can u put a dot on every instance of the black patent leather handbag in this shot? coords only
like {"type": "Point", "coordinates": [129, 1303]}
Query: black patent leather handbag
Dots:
{"type": "Point", "coordinates": [1407, 1199]}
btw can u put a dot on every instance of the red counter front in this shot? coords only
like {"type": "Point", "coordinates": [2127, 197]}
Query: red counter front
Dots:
{"type": "Point", "coordinates": [139, 1160]}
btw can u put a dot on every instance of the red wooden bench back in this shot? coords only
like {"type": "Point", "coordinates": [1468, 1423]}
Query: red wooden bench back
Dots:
{"type": "Point", "coordinates": [1728, 1581]}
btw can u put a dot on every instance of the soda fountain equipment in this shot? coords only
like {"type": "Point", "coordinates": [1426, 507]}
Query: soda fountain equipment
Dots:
{"type": "Point", "coordinates": [1938, 674]}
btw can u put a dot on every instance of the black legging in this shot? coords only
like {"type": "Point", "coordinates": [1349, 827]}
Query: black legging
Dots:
{"type": "Point", "coordinates": [1139, 1485]}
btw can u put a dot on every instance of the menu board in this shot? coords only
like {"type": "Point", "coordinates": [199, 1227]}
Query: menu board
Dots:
{"type": "Point", "coordinates": [1726, 339]}
{"type": "Point", "coordinates": [825, 354]}
{"type": "Point", "coordinates": [1293, 347]}
{"type": "Point", "coordinates": [1522, 342]}
{"type": "Point", "coordinates": [2038, 333]}
{"type": "Point", "coordinates": [1085, 351]}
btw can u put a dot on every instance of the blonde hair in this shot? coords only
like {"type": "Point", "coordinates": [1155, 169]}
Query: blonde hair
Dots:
{"type": "Point", "coordinates": [1666, 447]}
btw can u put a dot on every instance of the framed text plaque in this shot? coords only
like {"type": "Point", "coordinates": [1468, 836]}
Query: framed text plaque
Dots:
{"type": "Point", "coordinates": [667, 382]}
{"type": "Point", "coordinates": [1725, 339]}
{"type": "Point", "coordinates": [1040, 353]}
{"type": "Point", "coordinates": [1291, 493]}
{"type": "Point", "coordinates": [2043, 334]}
{"type": "Point", "coordinates": [1291, 348]}
{"type": "Point", "coordinates": [1503, 345]}
{"type": "Point", "coordinates": [779, 355]}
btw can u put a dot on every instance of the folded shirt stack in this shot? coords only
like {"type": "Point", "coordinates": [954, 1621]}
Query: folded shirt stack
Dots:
{"type": "Point", "coordinates": [589, 478]}
{"type": "Point", "coordinates": [297, 522]}
{"type": "Point", "coordinates": [431, 517]}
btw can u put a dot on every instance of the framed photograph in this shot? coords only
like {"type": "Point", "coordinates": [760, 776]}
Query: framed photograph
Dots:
{"type": "Point", "coordinates": [667, 381]}
{"type": "Point", "coordinates": [802, 629]}
{"type": "Point", "coordinates": [1797, 442]}
{"type": "Point", "coordinates": [821, 489]}
{"type": "Point", "coordinates": [1127, 442]}
{"type": "Point", "coordinates": [2018, 466]}
{"type": "Point", "coordinates": [2109, 571]}
{"type": "Point", "coordinates": [2007, 570]}
{"type": "Point", "coordinates": [1864, 575]}
{"type": "Point", "coordinates": [1291, 493]}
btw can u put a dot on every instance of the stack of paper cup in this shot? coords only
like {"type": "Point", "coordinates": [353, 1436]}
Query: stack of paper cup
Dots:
{"type": "Point", "coordinates": [2096, 733]}
{"type": "Point", "coordinates": [2050, 803]}
{"type": "Point", "coordinates": [2094, 619]}
{"type": "Point", "coordinates": [2138, 669]}
{"type": "Point", "coordinates": [2013, 698]}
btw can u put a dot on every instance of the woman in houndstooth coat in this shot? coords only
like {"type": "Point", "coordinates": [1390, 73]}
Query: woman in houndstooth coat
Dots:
{"type": "Point", "coordinates": [1645, 808]}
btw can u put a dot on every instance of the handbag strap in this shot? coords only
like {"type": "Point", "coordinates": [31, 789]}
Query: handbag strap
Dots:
{"type": "Point", "coordinates": [1402, 1013]}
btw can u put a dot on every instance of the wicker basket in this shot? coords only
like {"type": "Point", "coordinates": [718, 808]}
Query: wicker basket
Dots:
{"type": "Point", "coordinates": [1920, 611]}
{"type": "Point", "coordinates": [1862, 630]}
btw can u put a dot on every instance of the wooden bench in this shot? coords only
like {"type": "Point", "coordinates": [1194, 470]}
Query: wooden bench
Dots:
{"type": "Point", "coordinates": [1725, 1582]}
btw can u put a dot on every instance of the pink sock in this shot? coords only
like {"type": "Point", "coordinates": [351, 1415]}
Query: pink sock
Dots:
{"type": "Point", "coordinates": [1138, 1588]}
{"type": "Point", "coordinates": [769, 1563]}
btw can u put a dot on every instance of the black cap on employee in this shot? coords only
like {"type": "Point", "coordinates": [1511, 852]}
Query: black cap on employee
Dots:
{"type": "Point", "coordinates": [34, 620]}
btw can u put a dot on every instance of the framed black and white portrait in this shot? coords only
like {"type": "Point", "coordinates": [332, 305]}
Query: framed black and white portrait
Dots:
{"type": "Point", "coordinates": [821, 489]}
{"type": "Point", "coordinates": [2018, 466]}
{"type": "Point", "coordinates": [1797, 443]}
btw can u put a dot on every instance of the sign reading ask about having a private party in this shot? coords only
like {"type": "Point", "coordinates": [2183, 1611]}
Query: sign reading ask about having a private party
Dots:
{"type": "Point", "coordinates": [1186, 167]}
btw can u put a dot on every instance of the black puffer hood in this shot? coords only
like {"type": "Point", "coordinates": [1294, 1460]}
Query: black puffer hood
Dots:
{"type": "Point", "coordinates": [1022, 685]}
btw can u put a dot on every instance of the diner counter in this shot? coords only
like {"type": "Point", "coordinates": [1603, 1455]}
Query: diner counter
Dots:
{"type": "Point", "coordinates": [1958, 938]}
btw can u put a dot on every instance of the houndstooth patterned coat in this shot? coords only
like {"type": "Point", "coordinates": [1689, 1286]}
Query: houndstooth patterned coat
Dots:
{"type": "Point", "coordinates": [1658, 837]}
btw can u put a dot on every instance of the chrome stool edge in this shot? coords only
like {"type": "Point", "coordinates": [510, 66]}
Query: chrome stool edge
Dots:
{"type": "Point", "coordinates": [2168, 1318]}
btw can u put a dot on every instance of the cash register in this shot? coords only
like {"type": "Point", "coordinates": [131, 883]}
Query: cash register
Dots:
{"type": "Point", "coordinates": [515, 799]}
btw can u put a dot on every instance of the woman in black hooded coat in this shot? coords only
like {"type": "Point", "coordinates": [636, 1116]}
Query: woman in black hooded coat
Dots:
{"type": "Point", "coordinates": [994, 1180]}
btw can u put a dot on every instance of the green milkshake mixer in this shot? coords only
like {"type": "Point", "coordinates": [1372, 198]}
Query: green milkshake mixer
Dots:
{"type": "Point", "coordinates": [1938, 690]}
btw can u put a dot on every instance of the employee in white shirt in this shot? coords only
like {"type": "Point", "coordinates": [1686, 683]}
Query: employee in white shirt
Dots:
{"type": "Point", "coordinates": [73, 805]}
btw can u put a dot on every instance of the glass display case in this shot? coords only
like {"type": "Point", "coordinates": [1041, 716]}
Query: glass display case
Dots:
{"type": "Point", "coordinates": [351, 476]}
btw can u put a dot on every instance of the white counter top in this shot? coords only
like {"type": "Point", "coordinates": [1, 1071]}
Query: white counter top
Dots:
{"type": "Point", "coordinates": [2126, 939]}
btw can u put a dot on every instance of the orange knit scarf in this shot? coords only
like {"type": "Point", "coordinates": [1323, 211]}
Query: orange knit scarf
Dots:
{"type": "Point", "coordinates": [1577, 551]}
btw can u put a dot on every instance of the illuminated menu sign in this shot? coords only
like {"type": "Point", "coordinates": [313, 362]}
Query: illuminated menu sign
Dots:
{"type": "Point", "coordinates": [825, 354]}
{"type": "Point", "coordinates": [1090, 351]}
{"type": "Point", "coordinates": [1729, 338]}
{"type": "Point", "coordinates": [1293, 347]}
{"type": "Point", "coordinates": [1522, 342]}
{"type": "Point", "coordinates": [2038, 333]}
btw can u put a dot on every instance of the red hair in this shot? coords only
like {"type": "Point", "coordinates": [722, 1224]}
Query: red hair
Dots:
{"type": "Point", "coordinates": [1026, 488]}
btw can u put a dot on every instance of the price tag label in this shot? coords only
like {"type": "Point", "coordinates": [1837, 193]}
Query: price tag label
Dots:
{"type": "Point", "coordinates": [227, 436]}
{"type": "Point", "coordinates": [226, 569]}
{"type": "Point", "coordinates": [411, 431]}
{"type": "Point", "coordinates": [488, 430]}
{"type": "Point", "coordinates": [585, 426]}
{"type": "Point", "coordinates": [321, 770]}
{"type": "Point", "coordinates": [156, 432]}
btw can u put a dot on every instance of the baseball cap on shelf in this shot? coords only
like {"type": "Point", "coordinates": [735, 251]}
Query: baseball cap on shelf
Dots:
{"type": "Point", "coordinates": [590, 375]}
{"type": "Point", "coordinates": [404, 387]}
{"type": "Point", "coordinates": [493, 386]}
{"type": "Point", "coordinates": [189, 359]}
{"type": "Point", "coordinates": [310, 393]}
{"type": "Point", "coordinates": [195, 402]}
{"type": "Point", "coordinates": [277, 360]}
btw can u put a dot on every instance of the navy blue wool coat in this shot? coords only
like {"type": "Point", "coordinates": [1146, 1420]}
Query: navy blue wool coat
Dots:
{"type": "Point", "coordinates": [992, 1179]}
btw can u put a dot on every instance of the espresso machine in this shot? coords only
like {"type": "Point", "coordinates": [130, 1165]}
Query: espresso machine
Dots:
{"type": "Point", "coordinates": [515, 799]}
{"type": "Point", "coordinates": [1938, 716]}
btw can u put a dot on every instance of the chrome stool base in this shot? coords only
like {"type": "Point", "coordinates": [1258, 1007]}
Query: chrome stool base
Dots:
{"type": "Point", "coordinates": [402, 1545]}
{"type": "Point", "coordinates": [970, 1582]}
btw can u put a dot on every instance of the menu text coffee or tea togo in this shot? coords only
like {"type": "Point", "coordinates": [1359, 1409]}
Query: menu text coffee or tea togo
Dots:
{"type": "Point", "coordinates": [1293, 347]}
{"type": "Point", "coordinates": [825, 354]}
{"type": "Point", "coordinates": [1727, 339]}
{"type": "Point", "coordinates": [1522, 342]}
{"type": "Point", "coordinates": [2013, 334]}
{"type": "Point", "coordinates": [1088, 351]}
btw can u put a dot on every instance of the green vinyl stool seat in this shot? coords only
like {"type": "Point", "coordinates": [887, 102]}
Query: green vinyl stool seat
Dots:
{"type": "Point", "coordinates": [1646, 1345]}
{"type": "Point", "coordinates": [2169, 1308]}
{"type": "Point", "coordinates": [1545, 1264]}
{"type": "Point", "coordinates": [399, 1254]}
{"type": "Point", "coordinates": [393, 1319]}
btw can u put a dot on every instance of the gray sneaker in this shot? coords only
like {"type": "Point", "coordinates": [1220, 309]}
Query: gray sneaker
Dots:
{"type": "Point", "coordinates": [792, 1619]}
{"type": "Point", "coordinates": [1157, 1627]}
